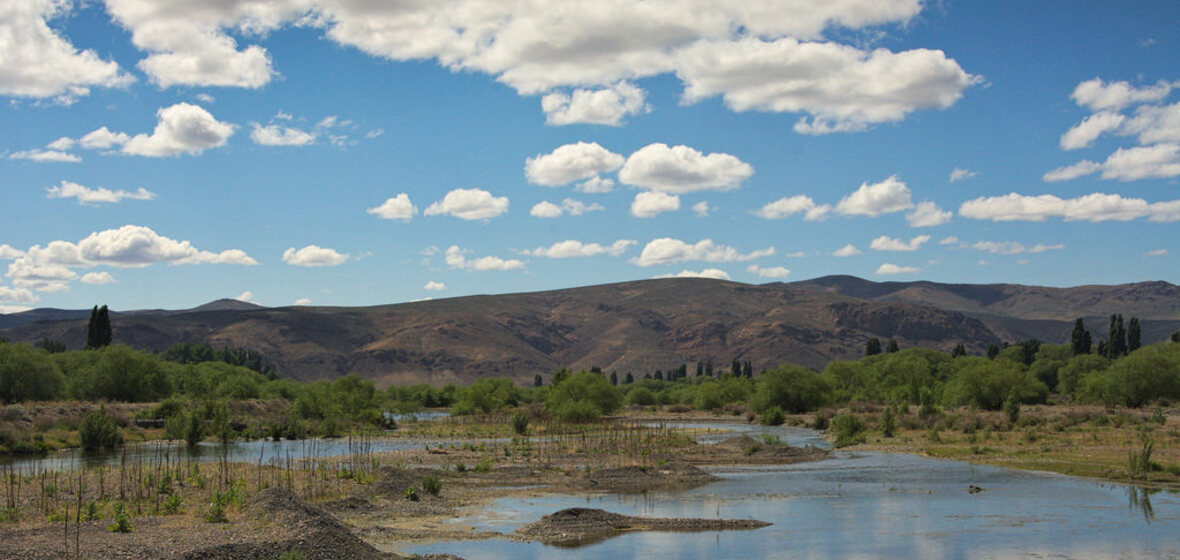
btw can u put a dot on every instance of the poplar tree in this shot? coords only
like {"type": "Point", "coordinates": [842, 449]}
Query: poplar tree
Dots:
{"type": "Point", "coordinates": [98, 330]}
{"type": "Point", "coordinates": [1134, 336]}
{"type": "Point", "coordinates": [873, 347]}
{"type": "Point", "coordinates": [1080, 339]}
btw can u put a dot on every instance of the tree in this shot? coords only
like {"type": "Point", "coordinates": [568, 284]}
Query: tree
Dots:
{"type": "Point", "coordinates": [791, 388]}
{"type": "Point", "coordinates": [1133, 335]}
{"type": "Point", "coordinates": [98, 330]}
{"type": "Point", "coordinates": [583, 397]}
{"type": "Point", "coordinates": [709, 366]}
{"type": "Point", "coordinates": [959, 351]}
{"type": "Point", "coordinates": [537, 380]}
{"type": "Point", "coordinates": [892, 347]}
{"type": "Point", "coordinates": [614, 378]}
{"type": "Point", "coordinates": [1080, 338]}
{"type": "Point", "coordinates": [27, 374]}
{"type": "Point", "coordinates": [748, 370]}
{"type": "Point", "coordinates": [736, 368]}
{"type": "Point", "coordinates": [700, 368]}
{"type": "Point", "coordinates": [1116, 341]}
{"type": "Point", "coordinates": [992, 351]}
{"type": "Point", "coordinates": [873, 347]}
{"type": "Point", "coordinates": [629, 379]}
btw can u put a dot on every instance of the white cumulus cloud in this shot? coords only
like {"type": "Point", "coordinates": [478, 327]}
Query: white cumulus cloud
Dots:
{"type": "Point", "coordinates": [278, 135]}
{"type": "Point", "coordinates": [37, 62]}
{"type": "Point", "coordinates": [886, 243]}
{"type": "Point", "coordinates": [789, 206]}
{"type": "Point", "coordinates": [681, 169]}
{"type": "Point", "coordinates": [606, 106]}
{"type": "Point", "coordinates": [1098, 95]}
{"type": "Point", "coordinates": [17, 295]}
{"type": "Point", "coordinates": [101, 139]}
{"type": "Point", "coordinates": [666, 250]}
{"type": "Point", "coordinates": [457, 258]}
{"type": "Point", "coordinates": [888, 269]}
{"type": "Point", "coordinates": [433, 286]}
{"type": "Point", "coordinates": [572, 162]}
{"type": "Point", "coordinates": [769, 272]}
{"type": "Point", "coordinates": [469, 204]}
{"type": "Point", "coordinates": [97, 278]}
{"type": "Point", "coordinates": [890, 195]}
{"type": "Point", "coordinates": [86, 195]}
{"type": "Point", "coordinates": [43, 156]}
{"type": "Point", "coordinates": [595, 185]}
{"type": "Point", "coordinates": [571, 248]}
{"type": "Point", "coordinates": [961, 174]}
{"type": "Point", "coordinates": [181, 129]}
{"type": "Point", "coordinates": [546, 209]}
{"type": "Point", "coordinates": [927, 214]}
{"type": "Point", "coordinates": [1094, 207]}
{"type": "Point", "coordinates": [649, 204]}
{"type": "Point", "coordinates": [1086, 132]}
{"type": "Point", "coordinates": [396, 208]}
{"type": "Point", "coordinates": [701, 209]}
{"type": "Point", "coordinates": [314, 255]}
{"type": "Point", "coordinates": [846, 251]}
{"type": "Point", "coordinates": [711, 273]}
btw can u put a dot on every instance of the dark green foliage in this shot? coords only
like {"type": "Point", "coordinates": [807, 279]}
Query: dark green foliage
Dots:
{"type": "Point", "coordinates": [1070, 375]}
{"type": "Point", "coordinates": [520, 423]}
{"type": "Point", "coordinates": [583, 397]}
{"type": "Point", "coordinates": [1116, 342]}
{"type": "Point", "coordinates": [1028, 350]}
{"type": "Point", "coordinates": [487, 395]}
{"type": "Point", "coordinates": [194, 353]}
{"type": "Point", "coordinates": [560, 376]}
{"type": "Point", "coordinates": [986, 383]}
{"type": "Point", "coordinates": [185, 426]}
{"type": "Point", "coordinates": [886, 377]}
{"type": "Point", "coordinates": [52, 346]}
{"type": "Point", "coordinates": [537, 380]}
{"type": "Point", "coordinates": [99, 431]}
{"type": "Point", "coordinates": [959, 351]}
{"type": "Point", "coordinates": [122, 520]}
{"type": "Point", "coordinates": [431, 485]}
{"type": "Point", "coordinates": [629, 379]}
{"type": "Point", "coordinates": [98, 330]}
{"type": "Point", "coordinates": [873, 347]}
{"type": "Point", "coordinates": [849, 430]}
{"type": "Point", "coordinates": [772, 417]}
{"type": "Point", "coordinates": [1176, 336]}
{"type": "Point", "coordinates": [1139, 462]}
{"type": "Point", "coordinates": [791, 388]}
{"type": "Point", "coordinates": [1134, 335]}
{"type": "Point", "coordinates": [1012, 407]}
{"type": "Point", "coordinates": [27, 374]}
{"type": "Point", "coordinates": [892, 347]}
{"type": "Point", "coordinates": [1046, 370]}
{"type": "Point", "coordinates": [614, 378]}
{"type": "Point", "coordinates": [926, 407]}
{"type": "Point", "coordinates": [888, 422]}
{"type": "Point", "coordinates": [992, 351]}
{"type": "Point", "coordinates": [640, 396]}
{"type": "Point", "coordinates": [120, 373]}
{"type": "Point", "coordinates": [1080, 340]}
{"type": "Point", "coordinates": [1151, 373]}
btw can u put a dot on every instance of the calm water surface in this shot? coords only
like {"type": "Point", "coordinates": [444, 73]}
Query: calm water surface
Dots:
{"type": "Point", "coordinates": [862, 505]}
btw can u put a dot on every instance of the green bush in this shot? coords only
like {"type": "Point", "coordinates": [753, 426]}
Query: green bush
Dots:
{"type": "Point", "coordinates": [888, 422]}
{"type": "Point", "coordinates": [849, 430]}
{"type": "Point", "coordinates": [641, 396]}
{"type": "Point", "coordinates": [772, 417]}
{"type": "Point", "coordinates": [99, 431]}
{"type": "Point", "coordinates": [27, 374]}
{"type": "Point", "coordinates": [583, 397]}
{"type": "Point", "coordinates": [791, 388]}
{"type": "Point", "coordinates": [431, 485]}
{"type": "Point", "coordinates": [122, 520]}
{"type": "Point", "coordinates": [520, 423]}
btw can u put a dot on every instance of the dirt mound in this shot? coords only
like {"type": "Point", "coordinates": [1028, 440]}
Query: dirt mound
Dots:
{"type": "Point", "coordinates": [638, 479]}
{"type": "Point", "coordinates": [579, 526]}
{"type": "Point", "coordinates": [308, 530]}
{"type": "Point", "coordinates": [752, 450]}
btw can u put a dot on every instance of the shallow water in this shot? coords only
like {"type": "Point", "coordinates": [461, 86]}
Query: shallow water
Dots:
{"type": "Point", "coordinates": [863, 505]}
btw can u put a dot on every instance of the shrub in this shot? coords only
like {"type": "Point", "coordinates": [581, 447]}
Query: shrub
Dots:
{"type": "Point", "coordinates": [791, 388]}
{"type": "Point", "coordinates": [772, 417]}
{"type": "Point", "coordinates": [172, 504]}
{"type": "Point", "coordinates": [27, 374]}
{"type": "Point", "coordinates": [484, 465]}
{"type": "Point", "coordinates": [431, 485]}
{"type": "Point", "coordinates": [1012, 408]}
{"type": "Point", "coordinates": [849, 430]}
{"type": "Point", "coordinates": [411, 494]}
{"type": "Point", "coordinates": [520, 425]}
{"type": "Point", "coordinates": [1140, 461]}
{"type": "Point", "coordinates": [641, 396]}
{"type": "Point", "coordinates": [583, 397]}
{"type": "Point", "coordinates": [216, 513]}
{"type": "Point", "coordinates": [98, 431]}
{"type": "Point", "coordinates": [122, 519]}
{"type": "Point", "coordinates": [888, 422]}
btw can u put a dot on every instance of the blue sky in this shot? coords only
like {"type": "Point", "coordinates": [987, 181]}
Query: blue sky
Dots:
{"type": "Point", "coordinates": [156, 154]}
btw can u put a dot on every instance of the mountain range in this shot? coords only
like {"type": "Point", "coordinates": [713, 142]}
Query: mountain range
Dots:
{"type": "Point", "coordinates": [631, 327]}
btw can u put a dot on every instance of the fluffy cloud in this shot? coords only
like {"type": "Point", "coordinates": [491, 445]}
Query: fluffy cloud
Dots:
{"type": "Point", "coordinates": [1098, 95]}
{"type": "Point", "coordinates": [1155, 124]}
{"type": "Point", "coordinates": [570, 248]}
{"type": "Point", "coordinates": [433, 286]}
{"type": "Point", "coordinates": [1070, 172]}
{"type": "Point", "coordinates": [138, 246]}
{"type": "Point", "coordinates": [843, 88]}
{"type": "Point", "coordinates": [961, 174]}
{"type": "Point", "coordinates": [648, 204]}
{"type": "Point", "coordinates": [396, 208]}
{"type": "Point", "coordinates": [607, 106]}
{"type": "Point", "coordinates": [101, 139]}
{"type": "Point", "coordinates": [701, 209]}
{"type": "Point", "coordinates": [7, 253]}
{"type": "Point", "coordinates": [595, 185]}
{"type": "Point", "coordinates": [846, 251]}
{"type": "Point", "coordinates": [43, 156]}
{"type": "Point", "coordinates": [1126, 164]}
{"type": "Point", "coordinates": [571, 162]}
{"type": "Point", "coordinates": [181, 129]}
{"type": "Point", "coordinates": [35, 61]}
{"type": "Point", "coordinates": [666, 250]}
{"type": "Point", "coordinates": [278, 135]}
{"type": "Point", "coordinates": [1095, 207]}
{"type": "Point", "coordinates": [97, 278]}
{"type": "Point", "coordinates": [681, 169]}
{"type": "Point", "coordinates": [30, 274]}
{"type": "Point", "coordinates": [788, 206]}
{"type": "Point", "coordinates": [17, 295]}
{"type": "Point", "coordinates": [886, 243]}
{"type": "Point", "coordinates": [469, 204]}
{"type": "Point", "coordinates": [711, 273]}
{"type": "Point", "coordinates": [1014, 248]}
{"type": "Point", "coordinates": [890, 195]}
{"type": "Point", "coordinates": [927, 214]}
{"type": "Point", "coordinates": [302, 301]}
{"type": "Point", "coordinates": [86, 195]}
{"type": "Point", "coordinates": [1084, 133]}
{"type": "Point", "coordinates": [314, 255]}
{"type": "Point", "coordinates": [546, 209]}
{"type": "Point", "coordinates": [889, 269]}
{"type": "Point", "coordinates": [769, 272]}
{"type": "Point", "coordinates": [457, 258]}
{"type": "Point", "coordinates": [246, 296]}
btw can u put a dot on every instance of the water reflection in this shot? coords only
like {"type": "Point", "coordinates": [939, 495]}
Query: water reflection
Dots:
{"type": "Point", "coordinates": [1139, 498]}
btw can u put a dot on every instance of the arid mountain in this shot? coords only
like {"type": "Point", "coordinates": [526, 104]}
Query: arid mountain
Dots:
{"type": "Point", "coordinates": [635, 327]}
